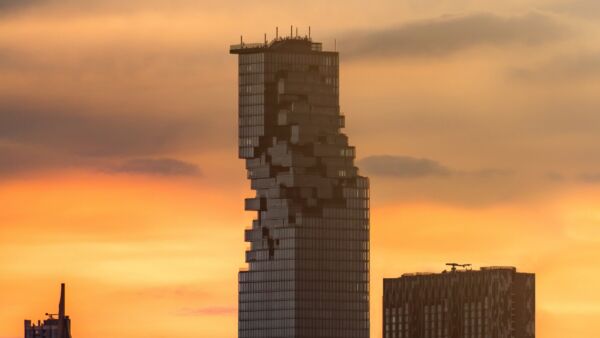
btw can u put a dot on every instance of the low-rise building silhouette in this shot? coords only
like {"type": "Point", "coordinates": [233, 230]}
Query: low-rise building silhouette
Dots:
{"type": "Point", "coordinates": [55, 326]}
{"type": "Point", "coordinates": [494, 302]}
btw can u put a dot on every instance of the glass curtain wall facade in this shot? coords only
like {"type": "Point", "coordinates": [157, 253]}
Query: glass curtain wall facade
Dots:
{"type": "Point", "coordinates": [308, 258]}
{"type": "Point", "coordinates": [495, 302]}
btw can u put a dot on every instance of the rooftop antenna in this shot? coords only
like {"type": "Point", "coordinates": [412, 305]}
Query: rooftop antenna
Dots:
{"type": "Point", "coordinates": [265, 38]}
{"type": "Point", "coordinates": [276, 32]}
{"type": "Point", "coordinates": [242, 40]}
{"type": "Point", "coordinates": [63, 328]}
{"type": "Point", "coordinates": [291, 31]}
{"type": "Point", "coordinates": [309, 32]}
{"type": "Point", "coordinates": [61, 303]}
{"type": "Point", "coordinates": [467, 267]}
{"type": "Point", "coordinates": [296, 31]}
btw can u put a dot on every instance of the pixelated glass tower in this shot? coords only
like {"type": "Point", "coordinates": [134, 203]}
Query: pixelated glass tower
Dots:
{"type": "Point", "coordinates": [307, 270]}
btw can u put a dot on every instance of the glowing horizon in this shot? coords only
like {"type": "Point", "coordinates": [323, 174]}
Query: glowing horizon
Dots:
{"type": "Point", "coordinates": [119, 173]}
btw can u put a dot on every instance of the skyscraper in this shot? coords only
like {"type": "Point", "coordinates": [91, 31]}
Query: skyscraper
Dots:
{"type": "Point", "coordinates": [308, 259]}
{"type": "Point", "coordinates": [494, 302]}
{"type": "Point", "coordinates": [56, 326]}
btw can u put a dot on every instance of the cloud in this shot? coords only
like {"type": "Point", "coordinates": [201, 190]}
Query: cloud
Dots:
{"type": "Point", "coordinates": [405, 179]}
{"type": "Point", "coordinates": [589, 177]}
{"type": "Point", "coordinates": [161, 166]}
{"type": "Point", "coordinates": [94, 135]}
{"type": "Point", "coordinates": [407, 167]}
{"type": "Point", "coordinates": [584, 65]}
{"type": "Point", "coordinates": [44, 138]}
{"type": "Point", "coordinates": [403, 166]}
{"type": "Point", "coordinates": [117, 96]}
{"type": "Point", "coordinates": [17, 5]}
{"type": "Point", "coordinates": [588, 9]}
{"type": "Point", "coordinates": [70, 131]}
{"type": "Point", "coordinates": [449, 34]}
{"type": "Point", "coordinates": [555, 176]}
{"type": "Point", "coordinates": [95, 6]}
{"type": "Point", "coordinates": [488, 173]}
{"type": "Point", "coordinates": [11, 5]}
{"type": "Point", "coordinates": [121, 97]}
{"type": "Point", "coordinates": [18, 159]}
{"type": "Point", "coordinates": [12, 161]}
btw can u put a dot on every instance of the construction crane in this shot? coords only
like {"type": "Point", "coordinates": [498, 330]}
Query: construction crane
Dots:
{"type": "Point", "coordinates": [458, 265]}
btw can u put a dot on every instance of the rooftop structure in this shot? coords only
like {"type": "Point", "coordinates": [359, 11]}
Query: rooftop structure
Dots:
{"type": "Point", "coordinates": [55, 326]}
{"type": "Point", "coordinates": [290, 43]}
{"type": "Point", "coordinates": [493, 302]}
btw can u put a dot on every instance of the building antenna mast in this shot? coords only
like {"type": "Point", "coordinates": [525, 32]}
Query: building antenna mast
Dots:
{"type": "Point", "coordinates": [467, 267]}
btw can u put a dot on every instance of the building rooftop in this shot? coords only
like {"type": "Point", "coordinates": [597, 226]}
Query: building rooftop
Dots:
{"type": "Point", "coordinates": [466, 270]}
{"type": "Point", "coordinates": [290, 43]}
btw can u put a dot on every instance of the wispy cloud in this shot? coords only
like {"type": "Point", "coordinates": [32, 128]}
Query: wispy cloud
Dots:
{"type": "Point", "coordinates": [12, 5]}
{"type": "Point", "coordinates": [408, 179]}
{"type": "Point", "coordinates": [589, 9]}
{"type": "Point", "coordinates": [589, 177]}
{"type": "Point", "coordinates": [36, 138]}
{"type": "Point", "coordinates": [555, 176]}
{"type": "Point", "coordinates": [69, 130]}
{"type": "Point", "coordinates": [158, 166]}
{"type": "Point", "coordinates": [406, 167]}
{"type": "Point", "coordinates": [403, 166]}
{"type": "Point", "coordinates": [449, 34]}
{"type": "Point", "coordinates": [570, 66]}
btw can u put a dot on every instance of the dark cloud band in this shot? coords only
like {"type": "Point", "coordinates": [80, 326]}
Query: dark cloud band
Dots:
{"type": "Point", "coordinates": [449, 34]}
{"type": "Point", "coordinates": [160, 166]}
{"type": "Point", "coordinates": [36, 139]}
{"type": "Point", "coordinates": [403, 166]}
{"type": "Point", "coordinates": [70, 131]}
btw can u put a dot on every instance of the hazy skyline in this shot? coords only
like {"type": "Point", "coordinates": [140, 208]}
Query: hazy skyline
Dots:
{"type": "Point", "coordinates": [476, 121]}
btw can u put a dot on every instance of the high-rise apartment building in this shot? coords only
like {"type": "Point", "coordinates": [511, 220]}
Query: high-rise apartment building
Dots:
{"type": "Point", "coordinates": [494, 302]}
{"type": "Point", "coordinates": [308, 258]}
{"type": "Point", "coordinates": [56, 326]}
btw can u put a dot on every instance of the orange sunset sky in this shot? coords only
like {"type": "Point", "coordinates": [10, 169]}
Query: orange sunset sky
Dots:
{"type": "Point", "coordinates": [478, 123]}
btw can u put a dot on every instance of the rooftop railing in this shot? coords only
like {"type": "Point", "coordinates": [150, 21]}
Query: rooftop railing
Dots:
{"type": "Point", "coordinates": [247, 45]}
{"type": "Point", "coordinates": [315, 46]}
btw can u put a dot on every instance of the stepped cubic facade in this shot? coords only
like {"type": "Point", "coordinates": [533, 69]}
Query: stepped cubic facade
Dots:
{"type": "Point", "coordinates": [308, 259]}
{"type": "Point", "coordinates": [494, 302]}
